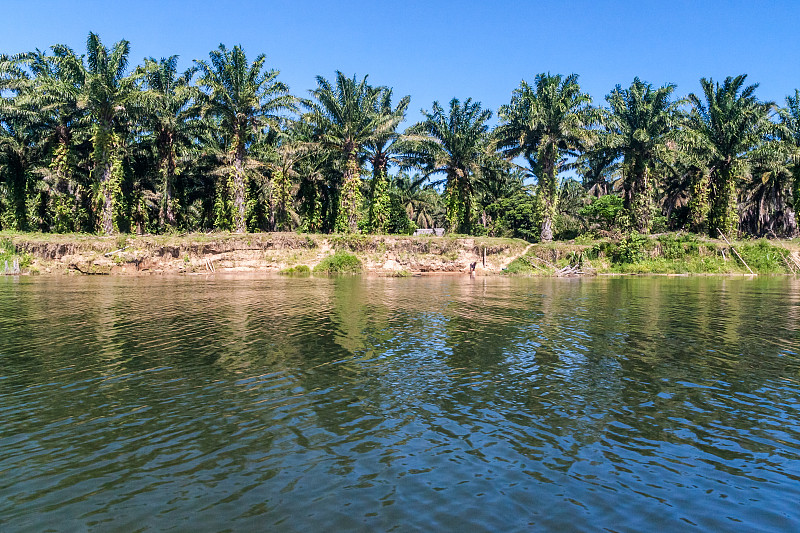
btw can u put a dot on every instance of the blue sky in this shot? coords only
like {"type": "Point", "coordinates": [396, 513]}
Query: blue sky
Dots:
{"type": "Point", "coordinates": [436, 50]}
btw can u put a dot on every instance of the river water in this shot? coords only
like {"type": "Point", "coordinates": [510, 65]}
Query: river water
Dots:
{"type": "Point", "coordinates": [417, 404]}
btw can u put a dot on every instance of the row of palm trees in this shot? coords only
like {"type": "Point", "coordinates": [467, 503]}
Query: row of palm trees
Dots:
{"type": "Point", "coordinates": [88, 144]}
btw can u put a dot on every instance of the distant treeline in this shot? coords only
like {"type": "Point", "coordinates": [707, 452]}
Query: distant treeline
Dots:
{"type": "Point", "coordinates": [89, 143]}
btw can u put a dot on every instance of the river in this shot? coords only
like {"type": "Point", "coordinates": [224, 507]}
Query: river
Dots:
{"type": "Point", "coordinates": [410, 404]}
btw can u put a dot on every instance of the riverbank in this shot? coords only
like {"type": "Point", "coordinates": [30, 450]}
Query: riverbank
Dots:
{"type": "Point", "coordinates": [388, 255]}
{"type": "Point", "coordinates": [669, 253]}
{"type": "Point", "coordinates": [198, 253]}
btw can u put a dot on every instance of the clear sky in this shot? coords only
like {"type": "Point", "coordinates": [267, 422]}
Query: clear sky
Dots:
{"type": "Point", "coordinates": [436, 50]}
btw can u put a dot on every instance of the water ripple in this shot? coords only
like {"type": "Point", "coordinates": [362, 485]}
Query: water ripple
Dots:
{"type": "Point", "coordinates": [399, 404]}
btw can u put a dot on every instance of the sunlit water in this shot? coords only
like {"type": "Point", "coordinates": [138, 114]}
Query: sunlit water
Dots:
{"type": "Point", "coordinates": [438, 404]}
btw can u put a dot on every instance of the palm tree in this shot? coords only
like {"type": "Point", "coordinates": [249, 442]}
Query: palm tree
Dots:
{"type": "Point", "coordinates": [790, 118]}
{"type": "Point", "coordinates": [599, 173]}
{"type": "Point", "coordinates": [16, 144]}
{"type": "Point", "coordinates": [455, 145]}
{"type": "Point", "coordinates": [384, 148]}
{"type": "Point", "coordinates": [641, 122]}
{"type": "Point", "coordinates": [546, 124]}
{"type": "Point", "coordinates": [109, 96]}
{"type": "Point", "coordinates": [56, 96]}
{"type": "Point", "coordinates": [345, 121]}
{"type": "Point", "coordinates": [727, 129]}
{"type": "Point", "coordinates": [421, 204]}
{"type": "Point", "coordinates": [171, 102]}
{"type": "Point", "coordinates": [245, 99]}
{"type": "Point", "coordinates": [17, 153]}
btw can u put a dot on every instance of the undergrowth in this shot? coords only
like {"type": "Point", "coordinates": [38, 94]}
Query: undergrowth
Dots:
{"type": "Point", "coordinates": [299, 271]}
{"type": "Point", "coordinates": [339, 263]}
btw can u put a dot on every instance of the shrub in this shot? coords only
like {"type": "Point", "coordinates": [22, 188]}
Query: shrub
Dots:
{"type": "Point", "coordinates": [299, 270]}
{"type": "Point", "coordinates": [631, 249]}
{"type": "Point", "coordinates": [339, 263]}
{"type": "Point", "coordinates": [604, 211]}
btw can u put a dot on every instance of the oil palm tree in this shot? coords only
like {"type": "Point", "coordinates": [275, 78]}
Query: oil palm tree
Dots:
{"type": "Point", "coordinates": [16, 144]}
{"type": "Point", "coordinates": [546, 123]}
{"type": "Point", "coordinates": [109, 96]}
{"type": "Point", "coordinates": [343, 115]}
{"type": "Point", "coordinates": [637, 129]}
{"type": "Point", "coordinates": [421, 203]}
{"type": "Point", "coordinates": [173, 117]}
{"type": "Point", "coordinates": [454, 144]}
{"type": "Point", "coordinates": [790, 118]}
{"type": "Point", "coordinates": [56, 96]}
{"type": "Point", "coordinates": [729, 128]}
{"type": "Point", "coordinates": [245, 98]}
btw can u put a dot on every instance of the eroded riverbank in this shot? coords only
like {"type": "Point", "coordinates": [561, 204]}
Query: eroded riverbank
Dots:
{"type": "Point", "coordinates": [257, 252]}
{"type": "Point", "coordinates": [389, 255]}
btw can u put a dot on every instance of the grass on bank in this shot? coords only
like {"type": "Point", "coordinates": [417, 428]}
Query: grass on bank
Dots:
{"type": "Point", "coordinates": [298, 271]}
{"type": "Point", "coordinates": [9, 256]}
{"type": "Point", "coordinates": [662, 254]}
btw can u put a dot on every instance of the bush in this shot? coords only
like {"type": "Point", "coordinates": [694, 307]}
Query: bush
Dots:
{"type": "Point", "coordinates": [605, 211]}
{"type": "Point", "coordinates": [339, 263]}
{"type": "Point", "coordinates": [299, 270]}
{"type": "Point", "coordinates": [631, 249]}
{"type": "Point", "coordinates": [678, 247]}
{"type": "Point", "coordinates": [763, 257]}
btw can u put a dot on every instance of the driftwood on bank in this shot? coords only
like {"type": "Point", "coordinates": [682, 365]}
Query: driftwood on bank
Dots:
{"type": "Point", "coordinates": [737, 253]}
{"type": "Point", "coordinates": [87, 273]}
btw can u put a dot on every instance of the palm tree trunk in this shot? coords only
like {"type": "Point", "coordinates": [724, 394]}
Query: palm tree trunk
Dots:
{"type": "Point", "coordinates": [239, 204]}
{"type": "Point", "coordinates": [379, 206]}
{"type": "Point", "coordinates": [168, 165]}
{"type": "Point", "coordinates": [637, 197]}
{"type": "Point", "coordinates": [64, 216]}
{"type": "Point", "coordinates": [347, 219]}
{"type": "Point", "coordinates": [107, 165]}
{"type": "Point", "coordinates": [796, 194]}
{"type": "Point", "coordinates": [698, 203]}
{"type": "Point", "coordinates": [549, 191]}
{"type": "Point", "coordinates": [723, 211]}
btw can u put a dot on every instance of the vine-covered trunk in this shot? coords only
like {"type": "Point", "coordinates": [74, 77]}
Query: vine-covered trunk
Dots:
{"type": "Point", "coordinates": [723, 202]}
{"type": "Point", "coordinates": [108, 165]}
{"type": "Point", "coordinates": [238, 185]}
{"type": "Point", "coordinates": [796, 194]}
{"type": "Point", "coordinates": [282, 198]}
{"type": "Point", "coordinates": [349, 196]}
{"type": "Point", "coordinates": [380, 207]}
{"type": "Point", "coordinates": [466, 202]}
{"type": "Point", "coordinates": [698, 203]}
{"type": "Point", "coordinates": [637, 197]}
{"type": "Point", "coordinates": [167, 165]}
{"type": "Point", "coordinates": [64, 208]}
{"type": "Point", "coordinates": [458, 204]}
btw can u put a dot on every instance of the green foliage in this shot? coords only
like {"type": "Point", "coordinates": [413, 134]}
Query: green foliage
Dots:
{"type": "Point", "coordinates": [516, 216]}
{"type": "Point", "coordinates": [453, 144]}
{"type": "Point", "coordinates": [678, 247]}
{"type": "Point", "coordinates": [339, 263]}
{"type": "Point", "coordinates": [299, 271]}
{"type": "Point", "coordinates": [631, 249]}
{"type": "Point", "coordinates": [354, 242]}
{"type": "Point", "coordinates": [763, 257]}
{"type": "Point", "coordinates": [638, 127]}
{"type": "Point", "coordinates": [9, 253]}
{"type": "Point", "coordinates": [546, 123]}
{"type": "Point", "coordinates": [520, 266]}
{"type": "Point", "coordinates": [89, 144]}
{"type": "Point", "coordinates": [606, 211]}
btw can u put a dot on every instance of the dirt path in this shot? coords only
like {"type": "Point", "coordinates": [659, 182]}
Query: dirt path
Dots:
{"type": "Point", "coordinates": [507, 262]}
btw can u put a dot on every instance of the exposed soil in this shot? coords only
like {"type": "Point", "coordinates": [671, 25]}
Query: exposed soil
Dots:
{"type": "Point", "coordinates": [266, 252]}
